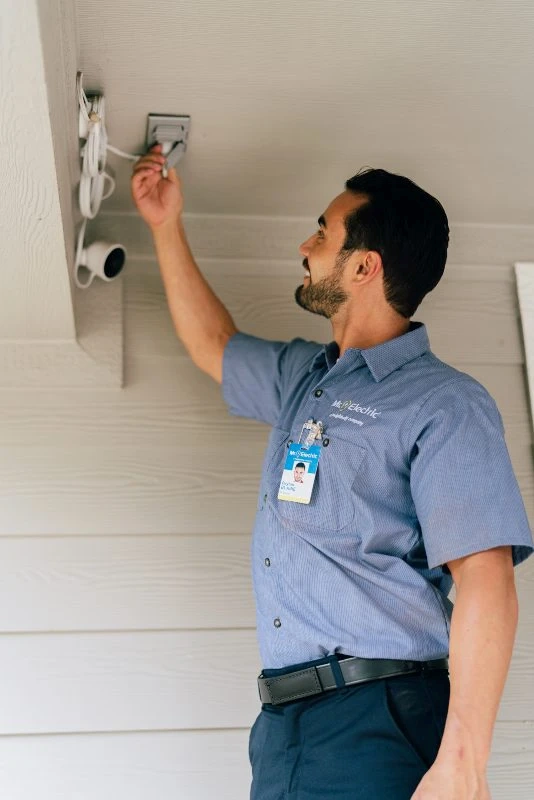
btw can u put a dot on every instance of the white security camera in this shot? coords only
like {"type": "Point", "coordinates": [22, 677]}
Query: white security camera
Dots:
{"type": "Point", "coordinates": [102, 259]}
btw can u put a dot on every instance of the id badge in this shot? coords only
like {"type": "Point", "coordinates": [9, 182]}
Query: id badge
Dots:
{"type": "Point", "coordinates": [300, 470]}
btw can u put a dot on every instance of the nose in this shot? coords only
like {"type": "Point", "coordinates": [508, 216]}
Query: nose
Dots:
{"type": "Point", "coordinates": [304, 248]}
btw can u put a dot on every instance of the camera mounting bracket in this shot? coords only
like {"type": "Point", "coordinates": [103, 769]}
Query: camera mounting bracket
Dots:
{"type": "Point", "coordinates": [171, 131]}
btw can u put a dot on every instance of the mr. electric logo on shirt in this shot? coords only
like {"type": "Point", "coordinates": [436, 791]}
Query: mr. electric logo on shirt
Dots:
{"type": "Point", "coordinates": [348, 405]}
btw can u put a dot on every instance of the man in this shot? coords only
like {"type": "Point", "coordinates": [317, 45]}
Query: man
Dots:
{"type": "Point", "coordinates": [298, 472]}
{"type": "Point", "coordinates": [413, 490]}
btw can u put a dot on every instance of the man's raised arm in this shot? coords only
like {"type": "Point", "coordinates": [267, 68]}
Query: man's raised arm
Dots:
{"type": "Point", "coordinates": [200, 319]}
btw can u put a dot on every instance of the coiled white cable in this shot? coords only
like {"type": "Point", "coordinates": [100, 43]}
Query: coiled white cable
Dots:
{"type": "Point", "coordinates": [93, 153]}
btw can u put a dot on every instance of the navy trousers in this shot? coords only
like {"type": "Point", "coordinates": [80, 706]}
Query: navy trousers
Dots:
{"type": "Point", "coordinates": [371, 741]}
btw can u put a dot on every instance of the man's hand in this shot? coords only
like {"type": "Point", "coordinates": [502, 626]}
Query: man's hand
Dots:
{"type": "Point", "coordinates": [452, 780]}
{"type": "Point", "coordinates": [159, 200]}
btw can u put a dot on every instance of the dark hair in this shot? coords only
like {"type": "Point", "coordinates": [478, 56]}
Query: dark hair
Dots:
{"type": "Point", "coordinates": [407, 226]}
{"type": "Point", "coordinates": [300, 464]}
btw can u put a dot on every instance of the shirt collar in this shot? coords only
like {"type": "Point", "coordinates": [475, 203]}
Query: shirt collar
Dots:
{"type": "Point", "coordinates": [382, 359]}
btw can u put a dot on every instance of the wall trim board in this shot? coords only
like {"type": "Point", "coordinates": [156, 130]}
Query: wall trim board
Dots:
{"type": "Point", "coordinates": [524, 273]}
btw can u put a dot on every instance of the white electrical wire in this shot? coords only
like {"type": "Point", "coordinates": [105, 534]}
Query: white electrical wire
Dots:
{"type": "Point", "coordinates": [93, 153]}
{"type": "Point", "coordinates": [122, 153]}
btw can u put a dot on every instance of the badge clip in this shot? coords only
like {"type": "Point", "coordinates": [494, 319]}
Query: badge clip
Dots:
{"type": "Point", "coordinates": [311, 432]}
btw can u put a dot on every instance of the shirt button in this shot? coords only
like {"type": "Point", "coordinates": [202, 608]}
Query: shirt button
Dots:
{"type": "Point", "coordinates": [267, 562]}
{"type": "Point", "coordinates": [277, 623]}
{"type": "Point", "coordinates": [326, 442]}
{"type": "Point", "coordinates": [318, 392]}
{"type": "Point", "coordinates": [289, 443]}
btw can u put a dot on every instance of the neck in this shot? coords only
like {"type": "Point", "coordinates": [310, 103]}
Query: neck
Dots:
{"type": "Point", "coordinates": [367, 332]}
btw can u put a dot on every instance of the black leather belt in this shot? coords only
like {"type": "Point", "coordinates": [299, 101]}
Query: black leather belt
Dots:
{"type": "Point", "coordinates": [315, 680]}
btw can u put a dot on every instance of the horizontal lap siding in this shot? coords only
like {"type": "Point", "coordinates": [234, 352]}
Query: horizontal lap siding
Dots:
{"type": "Point", "coordinates": [125, 583]}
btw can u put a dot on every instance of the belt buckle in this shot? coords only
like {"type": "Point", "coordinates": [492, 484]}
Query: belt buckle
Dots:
{"type": "Point", "coordinates": [260, 677]}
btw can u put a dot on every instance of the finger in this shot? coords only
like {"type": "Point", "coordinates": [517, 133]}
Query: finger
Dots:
{"type": "Point", "coordinates": [145, 177]}
{"type": "Point", "coordinates": [152, 159]}
{"type": "Point", "coordinates": [147, 168]}
{"type": "Point", "coordinates": [173, 176]}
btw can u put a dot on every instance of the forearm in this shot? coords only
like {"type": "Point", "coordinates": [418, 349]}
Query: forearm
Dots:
{"type": "Point", "coordinates": [200, 319]}
{"type": "Point", "coordinates": [483, 627]}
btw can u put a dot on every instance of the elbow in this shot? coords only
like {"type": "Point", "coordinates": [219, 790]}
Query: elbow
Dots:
{"type": "Point", "coordinates": [209, 355]}
{"type": "Point", "coordinates": [489, 573]}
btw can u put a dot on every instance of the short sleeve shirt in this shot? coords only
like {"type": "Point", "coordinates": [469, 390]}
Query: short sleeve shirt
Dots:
{"type": "Point", "coordinates": [414, 472]}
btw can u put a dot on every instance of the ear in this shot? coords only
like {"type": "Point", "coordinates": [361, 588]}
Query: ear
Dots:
{"type": "Point", "coordinates": [367, 265]}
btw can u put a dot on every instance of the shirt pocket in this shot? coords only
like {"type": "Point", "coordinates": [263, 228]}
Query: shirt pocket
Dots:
{"type": "Point", "coordinates": [332, 506]}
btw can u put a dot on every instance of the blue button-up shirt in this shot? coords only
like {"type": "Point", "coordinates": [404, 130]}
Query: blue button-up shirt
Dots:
{"type": "Point", "coordinates": [416, 472]}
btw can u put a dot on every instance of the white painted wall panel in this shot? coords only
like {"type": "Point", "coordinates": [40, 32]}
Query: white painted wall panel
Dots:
{"type": "Point", "coordinates": [31, 230]}
{"type": "Point", "coordinates": [128, 681]}
{"type": "Point", "coordinates": [125, 583]}
{"type": "Point", "coordinates": [99, 489]}
{"type": "Point", "coordinates": [164, 765]}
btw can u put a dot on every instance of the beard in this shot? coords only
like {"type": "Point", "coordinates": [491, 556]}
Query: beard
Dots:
{"type": "Point", "coordinates": [326, 296]}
